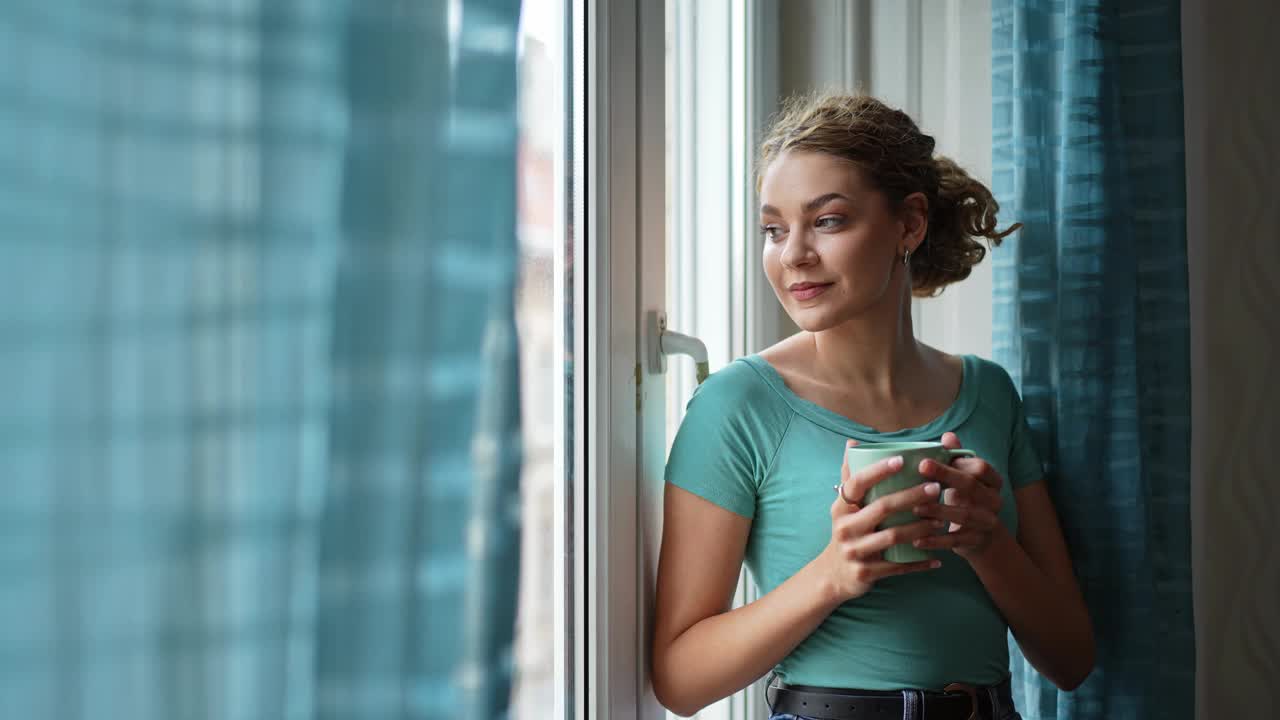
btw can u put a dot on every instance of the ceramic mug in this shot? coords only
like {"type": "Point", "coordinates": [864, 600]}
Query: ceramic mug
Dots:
{"type": "Point", "coordinates": [912, 453]}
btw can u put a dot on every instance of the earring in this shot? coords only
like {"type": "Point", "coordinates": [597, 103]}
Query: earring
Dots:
{"type": "Point", "coordinates": [906, 257]}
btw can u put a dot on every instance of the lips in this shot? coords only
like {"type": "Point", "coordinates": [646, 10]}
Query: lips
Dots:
{"type": "Point", "coordinates": [808, 290]}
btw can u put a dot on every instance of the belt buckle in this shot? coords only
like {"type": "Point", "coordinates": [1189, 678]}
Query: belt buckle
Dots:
{"type": "Point", "coordinates": [969, 690]}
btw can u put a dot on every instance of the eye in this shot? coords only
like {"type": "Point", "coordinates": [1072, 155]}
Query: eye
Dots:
{"type": "Point", "coordinates": [771, 232]}
{"type": "Point", "coordinates": [829, 221]}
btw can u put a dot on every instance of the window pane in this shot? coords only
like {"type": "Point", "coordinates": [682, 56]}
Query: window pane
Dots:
{"type": "Point", "coordinates": [544, 317]}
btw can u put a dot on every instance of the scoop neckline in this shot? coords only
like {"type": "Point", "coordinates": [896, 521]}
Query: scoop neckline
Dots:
{"type": "Point", "coordinates": [951, 418]}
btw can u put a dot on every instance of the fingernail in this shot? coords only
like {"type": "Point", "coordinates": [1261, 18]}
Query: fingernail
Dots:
{"type": "Point", "coordinates": [918, 543]}
{"type": "Point", "coordinates": [895, 462]}
{"type": "Point", "coordinates": [939, 523]}
{"type": "Point", "coordinates": [926, 467]}
{"type": "Point", "coordinates": [932, 488]}
{"type": "Point", "coordinates": [935, 564]}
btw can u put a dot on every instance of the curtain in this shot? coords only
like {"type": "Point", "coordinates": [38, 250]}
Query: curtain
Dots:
{"type": "Point", "coordinates": [1091, 318]}
{"type": "Point", "coordinates": [259, 442]}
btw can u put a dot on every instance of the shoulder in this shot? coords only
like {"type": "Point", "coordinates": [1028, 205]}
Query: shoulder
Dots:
{"type": "Point", "coordinates": [997, 394]}
{"type": "Point", "coordinates": [738, 407]}
{"type": "Point", "coordinates": [743, 387]}
{"type": "Point", "coordinates": [993, 376]}
{"type": "Point", "coordinates": [732, 427]}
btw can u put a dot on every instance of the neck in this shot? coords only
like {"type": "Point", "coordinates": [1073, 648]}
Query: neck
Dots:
{"type": "Point", "coordinates": [877, 350]}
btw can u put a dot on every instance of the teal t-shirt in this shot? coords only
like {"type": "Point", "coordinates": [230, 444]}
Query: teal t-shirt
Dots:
{"type": "Point", "coordinates": [750, 445]}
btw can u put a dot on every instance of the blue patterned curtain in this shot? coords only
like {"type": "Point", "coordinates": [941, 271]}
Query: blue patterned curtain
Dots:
{"type": "Point", "coordinates": [258, 414]}
{"type": "Point", "coordinates": [1091, 317]}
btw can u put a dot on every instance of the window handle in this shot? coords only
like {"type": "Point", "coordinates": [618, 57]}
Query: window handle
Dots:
{"type": "Point", "coordinates": [664, 342]}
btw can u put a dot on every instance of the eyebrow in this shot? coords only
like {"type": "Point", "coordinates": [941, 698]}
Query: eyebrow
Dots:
{"type": "Point", "coordinates": [810, 206]}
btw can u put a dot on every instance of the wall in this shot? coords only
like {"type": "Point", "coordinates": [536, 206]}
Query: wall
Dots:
{"type": "Point", "coordinates": [1232, 99]}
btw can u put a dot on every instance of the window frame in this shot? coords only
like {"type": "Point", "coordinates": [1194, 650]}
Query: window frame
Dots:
{"type": "Point", "coordinates": [617, 59]}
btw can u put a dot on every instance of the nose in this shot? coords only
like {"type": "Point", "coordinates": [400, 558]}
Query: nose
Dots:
{"type": "Point", "coordinates": [797, 250]}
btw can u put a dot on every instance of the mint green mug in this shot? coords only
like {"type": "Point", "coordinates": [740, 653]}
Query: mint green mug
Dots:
{"type": "Point", "coordinates": [912, 453]}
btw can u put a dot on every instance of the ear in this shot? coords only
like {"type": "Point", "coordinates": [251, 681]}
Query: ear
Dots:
{"type": "Point", "coordinates": [915, 220]}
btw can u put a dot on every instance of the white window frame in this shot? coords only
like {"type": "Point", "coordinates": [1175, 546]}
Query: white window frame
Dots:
{"type": "Point", "coordinates": [618, 68]}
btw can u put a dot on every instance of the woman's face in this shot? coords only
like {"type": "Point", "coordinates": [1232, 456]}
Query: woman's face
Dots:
{"type": "Point", "coordinates": [832, 247]}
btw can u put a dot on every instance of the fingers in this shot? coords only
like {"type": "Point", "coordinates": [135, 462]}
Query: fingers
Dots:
{"type": "Point", "coordinates": [869, 476]}
{"type": "Point", "coordinates": [865, 521]}
{"type": "Point", "coordinates": [962, 487]}
{"type": "Point", "coordinates": [841, 506]}
{"type": "Point", "coordinates": [952, 540]}
{"type": "Point", "coordinates": [844, 461]}
{"type": "Point", "coordinates": [977, 467]}
{"type": "Point", "coordinates": [964, 477]}
{"type": "Point", "coordinates": [868, 546]}
{"type": "Point", "coordinates": [853, 487]}
{"type": "Point", "coordinates": [980, 469]}
{"type": "Point", "coordinates": [968, 516]}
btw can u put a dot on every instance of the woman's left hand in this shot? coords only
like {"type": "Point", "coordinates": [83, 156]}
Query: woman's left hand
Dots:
{"type": "Point", "coordinates": [972, 496]}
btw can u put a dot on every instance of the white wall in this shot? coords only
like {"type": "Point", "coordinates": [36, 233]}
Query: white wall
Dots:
{"type": "Point", "coordinates": [1231, 85]}
{"type": "Point", "coordinates": [956, 109]}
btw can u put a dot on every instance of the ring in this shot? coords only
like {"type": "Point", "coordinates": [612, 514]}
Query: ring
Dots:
{"type": "Point", "coordinates": [840, 489]}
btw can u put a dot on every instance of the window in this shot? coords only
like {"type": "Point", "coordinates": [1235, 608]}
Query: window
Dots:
{"type": "Point", "coordinates": [636, 196]}
{"type": "Point", "coordinates": [544, 319]}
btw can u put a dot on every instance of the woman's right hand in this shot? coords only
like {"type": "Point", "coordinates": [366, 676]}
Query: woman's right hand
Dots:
{"type": "Point", "coordinates": [854, 558]}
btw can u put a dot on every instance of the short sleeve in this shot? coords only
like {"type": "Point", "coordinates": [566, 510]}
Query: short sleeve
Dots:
{"type": "Point", "coordinates": [731, 429]}
{"type": "Point", "coordinates": [1025, 466]}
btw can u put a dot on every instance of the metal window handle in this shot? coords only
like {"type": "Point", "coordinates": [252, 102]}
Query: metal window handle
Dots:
{"type": "Point", "coordinates": [664, 342]}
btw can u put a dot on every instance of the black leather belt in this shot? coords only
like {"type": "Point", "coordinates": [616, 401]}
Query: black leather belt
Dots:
{"type": "Point", "coordinates": [956, 702]}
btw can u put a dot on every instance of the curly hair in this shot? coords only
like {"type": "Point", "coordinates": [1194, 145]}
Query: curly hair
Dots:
{"type": "Point", "coordinates": [897, 159]}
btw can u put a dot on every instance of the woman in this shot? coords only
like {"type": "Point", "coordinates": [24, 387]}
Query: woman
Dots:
{"type": "Point", "coordinates": [857, 216]}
